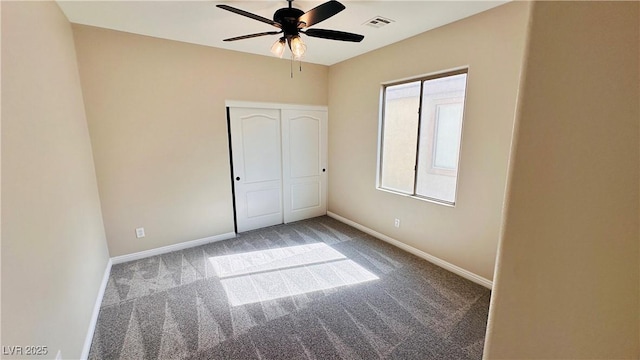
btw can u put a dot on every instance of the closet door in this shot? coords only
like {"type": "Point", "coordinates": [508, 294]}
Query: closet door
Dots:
{"type": "Point", "coordinates": [257, 167]}
{"type": "Point", "coordinates": [304, 154]}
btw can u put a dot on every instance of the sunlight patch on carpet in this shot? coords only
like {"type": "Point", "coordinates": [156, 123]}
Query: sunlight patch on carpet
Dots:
{"type": "Point", "coordinates": [276, 273]}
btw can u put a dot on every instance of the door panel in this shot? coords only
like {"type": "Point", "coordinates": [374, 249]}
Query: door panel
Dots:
{"type": "Point", "coordinates": [304, 145]}
{"type": "Point", "coordinates": [304, 134]}
{"type": "Point", "coordinates": [305, 196]}
{"type": "Point", "coordinates": [262, 202]}
{"type": "Point", "coordinates": [257, 167]}
{"type": "Point", "coordinates": [261, 148]}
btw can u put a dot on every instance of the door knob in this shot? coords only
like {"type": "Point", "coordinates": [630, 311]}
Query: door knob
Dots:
{"type": "Point", "coordinates": [323, 170]}
{"type": "Point", "coordinates": [238, 178]}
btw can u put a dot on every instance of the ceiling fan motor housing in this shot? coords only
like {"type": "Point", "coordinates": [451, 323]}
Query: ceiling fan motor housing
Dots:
{"type": "Point", "coordinates": [288, 18]}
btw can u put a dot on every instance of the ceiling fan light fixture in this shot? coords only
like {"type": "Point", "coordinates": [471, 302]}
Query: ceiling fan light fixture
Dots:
{"type": "Point", "coordinates": [277, 48]}
{"type": "Point", "coordinates": [290, 21]}
{"type": "Point", "coordinates": [298, 47]}
{"type": "Point", "coordinates": [301, 55]}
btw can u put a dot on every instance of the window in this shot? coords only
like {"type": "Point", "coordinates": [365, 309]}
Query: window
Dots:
{"type": "Point", "coordinates": [421, 129]}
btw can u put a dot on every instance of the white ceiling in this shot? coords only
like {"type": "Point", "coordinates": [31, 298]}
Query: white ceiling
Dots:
{"type": "Point", "coordinates": [201, 22]}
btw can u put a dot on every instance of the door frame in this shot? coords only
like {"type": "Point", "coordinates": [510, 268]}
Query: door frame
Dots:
{"type": "Point", "coordinates": [258, 105]}
{"type": "Point", "coordinates": [267, 105]}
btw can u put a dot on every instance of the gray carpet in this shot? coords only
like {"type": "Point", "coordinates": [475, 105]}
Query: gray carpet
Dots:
{"type": "Point", "coordinates": [344, 295]}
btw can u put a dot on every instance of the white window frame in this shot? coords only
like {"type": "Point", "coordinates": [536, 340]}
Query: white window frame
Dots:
{"type": "Point", "coordinates": [421, 79]}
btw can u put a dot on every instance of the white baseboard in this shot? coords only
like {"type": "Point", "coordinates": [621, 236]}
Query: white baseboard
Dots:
{"type": "Point", "coordinates": [136, 256]}
{"type": "Point", "coordinates": [96, 311]}
{"type": "Point", "coordinates": [430, 258]}
{"type": "Point", "coordinates": [167, 249]}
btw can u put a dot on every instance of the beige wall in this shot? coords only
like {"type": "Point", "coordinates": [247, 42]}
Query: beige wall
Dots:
{"type": "Point", "coordinates": [157, 120]}
{"type": "Point", "coordinates": [567, 275]}
{"type": "Point", "coordinates": [567, 282]}
{"type": "Point", "coordinates": [492, 45]}
{"type": "Point", "coordinates": [53, 244]}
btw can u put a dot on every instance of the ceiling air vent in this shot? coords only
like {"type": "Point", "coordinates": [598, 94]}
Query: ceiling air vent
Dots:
{"type": "Point", "coordinates": [378, 22]}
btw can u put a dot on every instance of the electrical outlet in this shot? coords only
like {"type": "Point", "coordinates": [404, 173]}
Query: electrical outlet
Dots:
{"type": "Point", "coordinates": [140, 233]}
{"type": "Point", "coordinates": [397, 223]}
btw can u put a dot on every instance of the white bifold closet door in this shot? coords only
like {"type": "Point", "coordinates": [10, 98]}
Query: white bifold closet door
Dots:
{"type": "Point", "coordinates": [279, 165]}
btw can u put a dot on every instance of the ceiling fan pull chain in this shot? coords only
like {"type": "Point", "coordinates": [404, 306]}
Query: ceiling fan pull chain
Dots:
{"type": "Point", "coordinates": [300, 65]}
{"type": "Point", "coordinates": [291, 66]}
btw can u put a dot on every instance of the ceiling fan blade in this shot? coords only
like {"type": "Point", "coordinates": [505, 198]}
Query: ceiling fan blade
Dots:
{"type": "Point", "coordinates": [333, 35]}
{"type": "Point", "coordinates": [320, 13]}
{"type": "Point", "coordinates": [249, 15]}
{"type": "Point", "coordinates": [252, 35]}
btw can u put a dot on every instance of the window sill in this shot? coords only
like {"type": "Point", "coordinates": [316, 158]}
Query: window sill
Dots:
{"type": "Point", "coordinates": [433, 201]}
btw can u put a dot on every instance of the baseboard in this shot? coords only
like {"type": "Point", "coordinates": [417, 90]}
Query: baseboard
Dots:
{"type": "Point", "coordinates": [136, 256]}
{"type": "Point", "coordinates": [96, 311]}
{"type": "Point", "coordinates": [430, 258]}
{"type": "Point", "coordinates": [167, 249]}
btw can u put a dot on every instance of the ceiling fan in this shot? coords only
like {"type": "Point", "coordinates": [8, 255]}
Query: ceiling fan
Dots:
{"type": "Point", "coordinates": [292, 22]}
